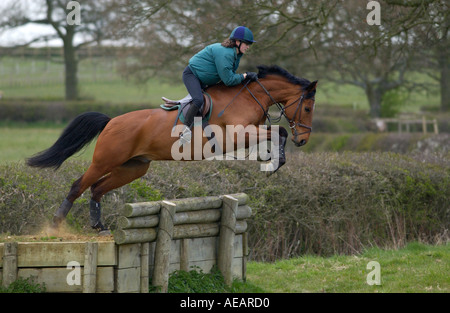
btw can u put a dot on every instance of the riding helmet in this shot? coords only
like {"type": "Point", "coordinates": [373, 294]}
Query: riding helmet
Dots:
{"type": "Point", "coordinates": [242, 33]}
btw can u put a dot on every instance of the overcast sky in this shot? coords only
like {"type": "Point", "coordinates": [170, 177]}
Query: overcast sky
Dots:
{"type": "Point", "coordinates": [28, 32]}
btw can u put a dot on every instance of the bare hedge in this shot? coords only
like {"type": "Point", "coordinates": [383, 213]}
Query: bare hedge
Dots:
{"type": "Point", "coordinates": [318, 203]}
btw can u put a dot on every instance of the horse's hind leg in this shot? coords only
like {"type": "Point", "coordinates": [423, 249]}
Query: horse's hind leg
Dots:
{"type": "Point", "coordinates": [118, 177]}
{"type": "Point", "coordinates": [93, 174]}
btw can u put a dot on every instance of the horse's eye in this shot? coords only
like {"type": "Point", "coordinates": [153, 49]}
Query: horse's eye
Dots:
{"type": "Point", "coordinates": [308, 110]}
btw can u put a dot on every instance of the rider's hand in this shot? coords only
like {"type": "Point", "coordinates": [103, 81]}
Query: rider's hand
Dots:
{"type": "Point", "coordinates": [252, 76]}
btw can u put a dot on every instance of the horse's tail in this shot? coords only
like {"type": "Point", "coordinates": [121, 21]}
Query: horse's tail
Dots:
{"type": "Point", "coordinates": [81, 131]}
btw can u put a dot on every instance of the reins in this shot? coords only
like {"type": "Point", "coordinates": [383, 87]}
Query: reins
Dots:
{"type": "Point", "coordinates": [292, 123]}
{"type": "Point", "coordinates": [232, 100]}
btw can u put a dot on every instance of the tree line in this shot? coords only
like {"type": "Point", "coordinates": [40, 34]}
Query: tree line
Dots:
{"type": "Point", "coordinates": [328, 40]}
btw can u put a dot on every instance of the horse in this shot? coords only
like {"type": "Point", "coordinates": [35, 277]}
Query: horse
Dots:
{"type": "Point", "coordinates": [128, 143]}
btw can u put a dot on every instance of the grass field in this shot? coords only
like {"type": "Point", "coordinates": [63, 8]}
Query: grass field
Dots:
{"type": "Point", "coordinates": [116, 91]}
{"type": "Point", "coordinates": [99, 79]}
{"type": "Point", "coordinates": [415, 268]}
{"type": "Point", "coordinates": [19, 142]}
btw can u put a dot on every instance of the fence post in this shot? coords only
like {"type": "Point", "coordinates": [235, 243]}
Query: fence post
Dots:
{"type": "Point", "coordinates": [90, 267]}
{"type": "Point", "coordinates": [226, 238]}
{"type": "Point", "coordinates": [184, 255]}
{"type": "Point", "coordinates": [424, 124]}
{"type": "Point", "coordinates": [435, 126]}
{"type": "Point", "coordinates": [244, 255]}
{"type": "Point", "coordinates": [145, 251]}
{"type": "Point", "coordinates": [163, 244]}
{"type": "Point", "coordinates": [9, 263]}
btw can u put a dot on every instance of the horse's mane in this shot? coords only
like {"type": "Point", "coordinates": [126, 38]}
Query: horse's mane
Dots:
{"type": "Point", "coordinates": [265, 70]}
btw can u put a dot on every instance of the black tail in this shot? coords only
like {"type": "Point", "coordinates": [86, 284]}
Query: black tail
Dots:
{"type": "Point", "coordinates": [82, 130]}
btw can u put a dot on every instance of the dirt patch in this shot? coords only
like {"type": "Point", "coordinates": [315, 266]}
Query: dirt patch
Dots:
{"type": "Point", "coordinates": [49, 235]}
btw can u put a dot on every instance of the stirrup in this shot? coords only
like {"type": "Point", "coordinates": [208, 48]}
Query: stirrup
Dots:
{"type": "Point", "coordinates": [185, 136]}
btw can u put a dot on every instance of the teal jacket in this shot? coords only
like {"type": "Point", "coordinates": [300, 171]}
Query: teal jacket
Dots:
{"type": "Point", "coordinates": [216, 63]}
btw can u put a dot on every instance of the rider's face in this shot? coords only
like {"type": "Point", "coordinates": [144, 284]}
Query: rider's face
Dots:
{"type": "Point", "coordinates": [244, 46]}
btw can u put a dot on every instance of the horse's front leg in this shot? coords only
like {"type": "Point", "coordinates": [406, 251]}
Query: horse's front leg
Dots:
{"type": "Point", "coordinates": [275, 152]}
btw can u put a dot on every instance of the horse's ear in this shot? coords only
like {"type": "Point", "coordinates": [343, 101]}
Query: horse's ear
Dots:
{"type": "Point", "coordinates": [312, 86]}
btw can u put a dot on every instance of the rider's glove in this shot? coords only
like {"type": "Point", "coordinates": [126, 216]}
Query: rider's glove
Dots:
{"type": "Point", "coordinates": [252, 76]}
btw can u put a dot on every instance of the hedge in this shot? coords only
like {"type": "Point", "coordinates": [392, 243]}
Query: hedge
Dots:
{"type": "Point", "coordinates": [318, 203]}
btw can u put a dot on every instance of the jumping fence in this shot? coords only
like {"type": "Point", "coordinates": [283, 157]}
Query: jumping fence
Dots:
{"type": "Point", "coordinates": [153, 239]}
{"type": "Point", "coordinates": [404, 124]}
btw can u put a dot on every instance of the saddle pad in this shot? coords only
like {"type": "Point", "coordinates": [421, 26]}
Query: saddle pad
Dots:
{"type": "Point", "coordinates": [171, 107]}
{"type": "Point", "coordinates": [184, 107]}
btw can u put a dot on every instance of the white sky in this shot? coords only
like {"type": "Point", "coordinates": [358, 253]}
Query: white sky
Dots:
{"type": "Point", "coordinates": [21, 35]}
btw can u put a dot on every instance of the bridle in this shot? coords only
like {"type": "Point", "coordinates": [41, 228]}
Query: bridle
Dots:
{"type": "Point", "coordinates": [292, 123]}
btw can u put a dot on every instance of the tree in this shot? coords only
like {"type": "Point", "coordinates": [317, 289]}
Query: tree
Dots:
{"type": "Point", "coordinates": [88, 22]}
{"type": "Point", "coordinates": [428, 25]}
{"type": "Point", "coordinates": [352, 52]}
{"type": "Point", "coordinates": [331, 38]}
{"type": "Point", "coordinates": [163, 35]}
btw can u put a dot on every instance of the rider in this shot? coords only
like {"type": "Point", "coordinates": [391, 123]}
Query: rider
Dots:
{"type": "Point", "coordinates": [215, 63]}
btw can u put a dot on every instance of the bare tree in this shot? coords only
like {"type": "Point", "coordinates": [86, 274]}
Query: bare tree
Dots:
{"type": "Point", "coordinates": [427, 25]}
{"type": "Point", "coordinates": [412, 36]}
{"type": "Point", "coordinates": [163, 35]}
{"type": "Point", "coordinates": [352, 52]}
{"type": "Point", "coordinates": [91, 27]}
{"type": "Point", "coordinates": [331, 38]}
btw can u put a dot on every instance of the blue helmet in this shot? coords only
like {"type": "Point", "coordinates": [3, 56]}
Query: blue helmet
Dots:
{"type": "Point", "coordinates": [242, 33]}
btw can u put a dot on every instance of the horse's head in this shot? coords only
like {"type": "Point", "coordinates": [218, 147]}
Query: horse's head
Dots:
{"type": "Point", "coordinates": [299, 112]}
{"type": "Point", "coordinates": [297, 95]}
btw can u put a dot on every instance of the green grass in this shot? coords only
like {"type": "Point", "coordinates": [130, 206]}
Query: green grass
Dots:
{"type": "Point", "coordinates": [18, 143]}
{"type": "Point", "coordinates": [116, 92]}
{"type": "Point", "coordinates": [352, 96]}
{"type": "Point", "coordinates": [23, 285]}
{"type": "Point", "coordinates": [415, 268]}
{"type": "Point", "coordinates": [196, 281]}
{"type": "Point", "coordinates": [99, 79]}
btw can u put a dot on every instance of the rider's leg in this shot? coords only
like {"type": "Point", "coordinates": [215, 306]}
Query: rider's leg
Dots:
{"type": "Point", "coordinates": [194, 87]}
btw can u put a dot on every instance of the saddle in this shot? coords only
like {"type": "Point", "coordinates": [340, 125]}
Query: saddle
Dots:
{"type": "Point", "coordinates": [183, 106]}
{"type": "Point", "coordinates": [186, 102]}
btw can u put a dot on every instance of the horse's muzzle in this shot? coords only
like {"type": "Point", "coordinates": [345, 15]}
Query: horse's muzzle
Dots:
{"type": "Point", "coordinates": [299, 143]}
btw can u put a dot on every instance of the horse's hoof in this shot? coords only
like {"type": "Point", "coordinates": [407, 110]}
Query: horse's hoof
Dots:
{"type": "Point", "coordinates": [102, 230]}
{"type": "Point", "coordinates": [104, 233]}
{"type": "Point", "coordinates": [53, 229]}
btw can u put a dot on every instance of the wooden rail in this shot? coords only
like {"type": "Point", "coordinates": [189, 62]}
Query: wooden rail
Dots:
{"type": "Point", "coordinates": [382, 124]}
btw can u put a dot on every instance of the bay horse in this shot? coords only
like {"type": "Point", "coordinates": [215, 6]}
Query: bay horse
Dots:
{"type": "Point", "coordinates": [128, 143]}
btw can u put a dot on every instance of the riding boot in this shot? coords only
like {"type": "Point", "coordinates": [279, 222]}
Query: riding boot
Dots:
{"type": "Point", "coordinates": [61, 213]}
{"type": "Point", "coordinates": [95, 213]}
{"type": "Point", "coordinates": [186, 134]}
